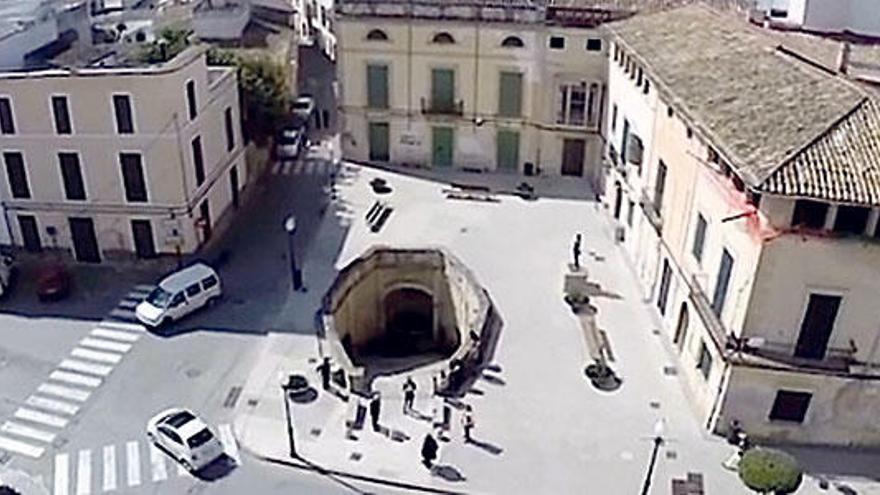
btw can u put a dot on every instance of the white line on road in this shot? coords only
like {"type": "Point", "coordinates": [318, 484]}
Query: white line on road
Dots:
{"type": "Point", "coordinates": [65, 392]}
{"type": "Point", "coordinates": [311, 167]}
{"type": "Point", "coordinates": [40, 417]}
{"type": "Point", "coordinates": [298, 169]}
{"type": "Point", "coordinates": [143, 287]}
{"type": "Point", "coordinates": [109, 470]}
{"type": "Point", "coordinates": [122, 313]}
{"type": "Point", "coordinates": [27, 431]}
{"type": "Point", "coordinates": [19, 447]}
{"type": "Point", "coordinates": [230, 446]}
{"type": "Point", "coordinates": [104, 357]}
{"type": "Point", "coordinates": [133, 463]}
{"type": "Point", "coordinates": [62, 474]}
{"type": "Point", "coordinates": [63, 376]}
{"type": "Point", "coordinates": [181, 471]}
{"type": "Point", "coordinates": [92, 369]}
{"type": "Point", "coordinates": [105, 345]}
{"type": "Point", "coordinates": [121, 325]}
{"type": "Point", "coordinates": [84, 473]}
{"type": "Point", "coordinates": [115, 335]}
{"type": "Point", "coordinates": [276, 167]}
{"type": "Point", "coordinates": [128, 303]}
{"type": "Point", "coordinates": [51, 404]}
{"type": "Point", "coordinates": [157, 461]}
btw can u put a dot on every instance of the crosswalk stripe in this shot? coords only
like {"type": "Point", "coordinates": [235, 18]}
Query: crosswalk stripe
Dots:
{"type": "Point", "coordinates": [133, 458]}
{"type": "Point", "coordinates": [27, 431]}
{"type": "Point", "coordinates": [298, 169]}
{"type": "Point", "coordinates": [93, 369]}
{"type": "Point", "coordinates": [51, 404]}
{"type": "Point", "coordinates": [276, 167]}
{"type": "Point", "coordinates": [84, 473]}
{"type": "Point", "coordinates": [115, 335]}
{"type": "Point", "coordinates": [40, 417]}
{"type": "Point", "coordinates": [105, 345]}
{"type": "Point", "coordinates": [311, 167]}
{"type": "Point", "coordinates": [157, 462]}
{"type": "Point", "coordinates": [230, 446]}
{"type": "Point", "coordinates": [124, 314]}
{"type": "Point", "coordinates": [62, 474]}
{"type": "Point", "coordinates": [65, 392]}
{"type": "Point", "coordinates": [128, 304]}
{"type": "Point", "coordinates": [77, 379]}
{"type": "Point", "coordinates": [109, 454]}
{"type": "Point", "coordinates": [144, 287]}
{"type": "Point", "coordinates": [20, 447]}
{"type": "Point", "coordinates": [121, 325]}
{"type": "Point", "coordinates": [104, 357]}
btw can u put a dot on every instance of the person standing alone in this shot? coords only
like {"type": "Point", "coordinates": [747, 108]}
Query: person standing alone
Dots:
{"type": "Point", "coordinates": [375, 408]}
{"type": "Point", "coordinates": [467, 423]}
{"type": "Point", "coordinates": [409, 394]}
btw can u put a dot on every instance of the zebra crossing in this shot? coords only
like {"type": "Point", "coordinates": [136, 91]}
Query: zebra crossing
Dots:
{"type": "Point", "coordinates": [35, 425]}
{"type": "Point", "coordinates": [129, 465]}
{"type": "Point", "coordinates": [305, 167]}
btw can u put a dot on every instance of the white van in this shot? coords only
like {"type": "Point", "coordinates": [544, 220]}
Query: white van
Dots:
{"type": "Point", "coordinates": [179, 294]}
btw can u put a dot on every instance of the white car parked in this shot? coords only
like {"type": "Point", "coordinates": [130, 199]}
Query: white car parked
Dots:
{"type": "Point", "coordinates": [179, 294]}
{"type": "Point", "coordinates": [185, 437]}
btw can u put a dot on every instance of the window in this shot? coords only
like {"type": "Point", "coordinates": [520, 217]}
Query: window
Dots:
{"type": "Point", "coordinates": [377, 86]}
{"type": "Point", "coordinates": [198, 160]}
{"type": "Point", "coordinates": [663, 293]}
{"type": "Point", "coordinates": [178, 300]}
{"type": "Point", "coordinates": [193, 290]}
{"type": "Point", "coordinates": [817, 325]}
{"type": "Point", "coordinates": [512, 42]}
{"type": "Point", "coordinates": [629, 213]}
{"type": "Point", "coordinates": [593, 102]}
{"type": "Point", "coordinates": [699, 237]}
{"type": "Point", "coordinates": [557, 42]}
{"type": "Point", "coordinates": [191, 100]}
{"type": "Point", "coordinates": [670, 112]}
{"type": "Point", "coordinates": [133, 177]}
{"type": "Point", "coordinates": [851, 220]}
{"type": "Point", "coordinates": [377, 35]}
{"type": "Point", "coordinates": [777, 13]}
{"type": "Point", "coordinates": [122, 107]}
{"type": "Point", "coordinates": [704, 363]}
{"type": "Point", "coordinates": [810, 214]}
{"type": "Point", "coordinates": [62, 115]}
{"type": "Point", "coordinates": [721, 282]}
{"type": "Point", "coordinates": [442, 89]}
{"type": "Point", "coordinates": [790, 406]}
{"type": "Point", "coordinates": [443, 39]}
{"type": "Point", "coordinates": [510, 94]}
{"type": "Point", "coordinates": [230, 130]}
{"type": "Point", "coordinates": [7, 123]}
{"type": "Point", "coordinates": [613, 117]}
{"type": "Point", "coordinates": [659, 187]}
{"type": "Point", "coordinates": [572, 104]}
{"type": "Point", "coordinates": [594, 45]}
{"type": "Point", "coordinates": [18, 182]}
{"type": "Point", "coordinates": [74, 188]}
{"type": "Point", "coordinates": [647, 87]}
{"type": "Point", "coordinates": [209, 282]}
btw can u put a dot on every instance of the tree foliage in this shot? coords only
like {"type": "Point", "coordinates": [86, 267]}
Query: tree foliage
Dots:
{"type": "Point", "coordinates": [168, 44]}
{"type": "Point", "coordinates": [263, 90]}
{"type": "Point", "coordinates": [770, 471]}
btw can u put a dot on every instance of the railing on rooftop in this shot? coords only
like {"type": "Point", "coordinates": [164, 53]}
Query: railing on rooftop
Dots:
{"type": "Point", "coordinates": [834, 358]}
{"type": "Point", "coordinates": [442, 107]}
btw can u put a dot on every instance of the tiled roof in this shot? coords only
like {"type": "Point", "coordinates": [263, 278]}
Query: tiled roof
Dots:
{"type": "Point", "coordinates": [757, 105]}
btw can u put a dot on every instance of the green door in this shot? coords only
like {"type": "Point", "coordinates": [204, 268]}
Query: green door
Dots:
{"type": "Point", "coordinates": [507, 151]}
{"type": "Point", "coordinates": [442, 140]}
{"type": "Point", "coordinates": [378, 137]}
{"type": "Point", "coordinates": [442, 89]}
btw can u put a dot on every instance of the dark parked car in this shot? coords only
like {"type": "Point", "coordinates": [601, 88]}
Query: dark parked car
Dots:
{"type": "Point", "coordinates": [53, 282]}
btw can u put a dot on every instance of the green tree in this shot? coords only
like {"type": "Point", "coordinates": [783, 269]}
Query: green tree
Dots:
{"type": "Point", "coordinates": [168, 44]}
{"type": "Point", "coordinates": [770, 471]}
{"type": "Point", "coordinates": [264, 96]}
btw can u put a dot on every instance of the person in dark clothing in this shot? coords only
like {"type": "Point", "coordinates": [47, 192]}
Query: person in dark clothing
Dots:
{"type": "Point", "coordinates": [429, 450]}
{"type": "Point", "coordinates": [576, 252]}
{"type": "Point", "coordinates": [409, 394]}
{"type": "Point", "coordinates": [324, 369]}
{"type": "Point", "coordinates": [375, 406]}
{"type": "Point", "coordinates": [467, 423]}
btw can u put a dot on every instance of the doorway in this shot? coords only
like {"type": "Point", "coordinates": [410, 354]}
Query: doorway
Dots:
{"type": "Point", "coordinates": [30, 234]}
{"type": "Point", "coordinates": [682, 327]}
{"type": "Point", "coordinates": [409, 321]}
{"type": "Point", "coordinates": [85, 243]}
{"type": "Point", "coordinates": [379, 138]}
{"type": "Point", "coordinates": [142, 232]}
{"type": "Point", "coordinates": [507, 151]}
{"type": "Point", "coordinates": [442, 140]}
{"type": "Point", "coordinates": [233, 185]}
{"type": "Point", "coordinates": [817, 326]}
{"type": "Point", "coordinates": [573, 157]}
{"type": "Point", "coordinates": [205, 220]}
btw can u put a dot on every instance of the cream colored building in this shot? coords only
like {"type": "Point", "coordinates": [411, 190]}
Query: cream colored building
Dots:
{"type": "Point", "coordinates": [116, 159]}
{"type": "Point", "coordinates": [514, 87]}
{"type": "Point", "coordinates": [743, 180]}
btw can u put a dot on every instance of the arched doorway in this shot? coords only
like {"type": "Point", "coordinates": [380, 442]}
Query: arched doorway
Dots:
{"type": "Point", "coordinates": [409, 321]}
{"type": "Point", "coordinates": [682, 327]}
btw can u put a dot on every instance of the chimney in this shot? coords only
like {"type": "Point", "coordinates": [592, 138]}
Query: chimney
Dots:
{"type": "Point", "coordinates": [843, 57]}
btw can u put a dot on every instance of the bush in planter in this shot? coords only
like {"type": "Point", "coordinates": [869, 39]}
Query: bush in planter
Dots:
{"type": "Point", "coordinates": [5, 490]}
{"type": "Point", "coordinates": [770, 471]}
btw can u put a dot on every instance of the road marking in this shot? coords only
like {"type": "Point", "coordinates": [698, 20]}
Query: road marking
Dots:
{"type": "Point", "coordinates": [40, 417]}
{"type": "Point", "coordinates": [62, 474]}
{"type": "Point", "coordinates": [115, 335]}
{"type": "Point", "coordinates": [298, 169]}
{"type": "Point", "coordinates": [92, 369]}
{"type": "Point", "coordinates": [133, 458]}
{"type": "Point", "coordinates": [129, 304]}
{"type": "Point", "coordinates": [181, 471]}
{"type": "Point", "coordinates": [64, 376]}
{"type": "Point", "coordinates": [144, 287]}
{"type": "Point", "coordinates": [109, 471]}
{"type": "Point", "coordinates": [51, 405]}
{"type": "Point", "coordinates": [27, 431]}
{"type": "Point", "coordinates": [230, 446]}
{"type": "Point", "coordinates": [157, 461]}
{"type": "Point", "coordinates": [311, 167]}
{"type": "Point", "coordinates": [105, 345]}
{"type": "Point", "coordinates": [20, 447]}
{"type": "Point", "coordinates": [121, 325]}
{"type": "Point", "coordinates": [104, 357]}
{"type": "Point", "coordinates": [65, 392]}
{"type": "Point", "coordinates": [276, 168]}
{"type": "Point", "coordinates": [84, 473]}
{"type": "Point", "coordinates": [124, 314]}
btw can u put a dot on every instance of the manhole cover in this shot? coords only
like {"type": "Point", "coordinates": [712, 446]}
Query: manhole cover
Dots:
{"type": "Point", "coordinates": [355, 456]}
{"type": "Point", "coordinates": [671, 454]}
{"type": "Point", "coordinates": [670, 371]}
{"type": "Point", "coordinates": [654, 404]}
{"type": "Point", "coordinates": [315, 432]}
{"type": "Point", "coordinates": [656, 331]}
{"type": "Point", "coordinates": [253, 402]}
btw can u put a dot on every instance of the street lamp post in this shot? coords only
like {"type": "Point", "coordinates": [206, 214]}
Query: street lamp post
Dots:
{"type": "Point", "coordinates": [290, 441]}
{"type": "Point", "coordinates": [657, 441]}
{"type": "Point", "coordinates": [296, 274]}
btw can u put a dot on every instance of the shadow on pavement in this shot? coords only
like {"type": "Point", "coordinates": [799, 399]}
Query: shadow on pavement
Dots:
{"type": "Point", "coordinates": [220, 468]}
{"type": "Point", "coordinates": [448, 473]}
{"type": "Point", "coordinates": [488, 447]}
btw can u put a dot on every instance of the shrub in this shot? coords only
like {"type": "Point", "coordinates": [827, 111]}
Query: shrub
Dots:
{"type": "Point", "coordinates": [770, 471]}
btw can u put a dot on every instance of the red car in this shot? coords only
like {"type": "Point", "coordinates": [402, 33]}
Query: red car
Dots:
{"type": "Point", "coordinates": [53, 282]}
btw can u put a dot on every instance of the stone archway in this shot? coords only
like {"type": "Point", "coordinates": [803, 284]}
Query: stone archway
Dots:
{"type": "Point", "coordinates": [409, 321]}
{"type": "Point", "coordinates": [682, 327]}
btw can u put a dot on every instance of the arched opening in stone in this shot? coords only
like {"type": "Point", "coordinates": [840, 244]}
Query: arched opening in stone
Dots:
{"type": "Point", "coordinates": [409, 322]}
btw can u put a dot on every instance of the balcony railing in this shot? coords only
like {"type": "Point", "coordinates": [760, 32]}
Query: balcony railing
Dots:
{"type": "Point", "coordinates": [651, 212]}
{"type": "Point", "coordinates": [835, 358]}
{"type": "Point", "coordinates": [442, 107]}
{"type": "Point", "coordinates": [707, 315]}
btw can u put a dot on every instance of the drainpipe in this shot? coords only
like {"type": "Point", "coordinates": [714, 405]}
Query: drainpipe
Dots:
{"type": "Point", "coordinates": [476, 66]}
{"type": "Point", "coordinates": [409, 68]}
